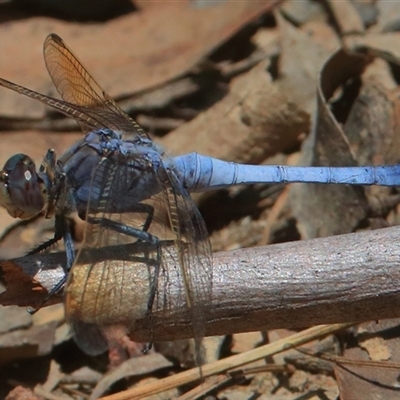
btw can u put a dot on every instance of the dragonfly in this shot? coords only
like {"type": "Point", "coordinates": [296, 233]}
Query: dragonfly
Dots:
{"type": "Point", "coordinates": [129, 192]}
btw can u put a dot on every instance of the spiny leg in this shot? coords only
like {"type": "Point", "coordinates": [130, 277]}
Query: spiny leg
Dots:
{"type": "Point", "coordinates": [62, 231]}
{"type": "Point", "coordinates": [150, 214]}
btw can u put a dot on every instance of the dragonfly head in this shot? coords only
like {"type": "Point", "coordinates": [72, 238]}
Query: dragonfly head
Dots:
{"type": "Point", "coordinates": [22, 191]}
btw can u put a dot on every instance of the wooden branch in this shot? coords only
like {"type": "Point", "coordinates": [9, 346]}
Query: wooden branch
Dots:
{"type": "Point", "coordinates": [354, 277]}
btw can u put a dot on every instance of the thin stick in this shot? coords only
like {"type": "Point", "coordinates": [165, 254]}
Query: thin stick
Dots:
{"type": "Point", "coordinates": [226, 364]}
{"type": "Point", "coordinates": [338, 279]}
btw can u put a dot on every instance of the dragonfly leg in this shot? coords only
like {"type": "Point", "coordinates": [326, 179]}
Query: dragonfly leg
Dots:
{"type": "Point", "coordinates": [62, 231]}
{"type": "Point", "coordinates": [150, 213]}
{"type": "Point", "coordinates": [147, 347]}
{"type": "Point", "coordinates": [125, 229]}
{"type": "Point", "coordinates": [141, 208]}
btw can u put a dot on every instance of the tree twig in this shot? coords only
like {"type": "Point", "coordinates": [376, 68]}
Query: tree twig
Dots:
{"type": "Point", "coordinates": [354, 277]}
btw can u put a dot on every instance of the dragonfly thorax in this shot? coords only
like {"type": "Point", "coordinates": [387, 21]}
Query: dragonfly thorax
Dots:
{"type": "Point", "coordinates": [102, 154]}
{"type": "Point", "coordinates": [22, 191]}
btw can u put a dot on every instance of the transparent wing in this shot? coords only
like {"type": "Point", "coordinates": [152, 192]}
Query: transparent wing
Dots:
{"type": "Point", "coordinates": [72, 80]}
{"type": "Point", "coordinates": [110, 289]}
{"type": "Point", "coordinates": [107, 292]}
{"type": "Point", "coordinates": [78, 87]}
{"type": "Point", "coordinates": [84, 100]}
{"type": "Point", "coordinates": [87, 118]}
{"type": "Point", "coordinates": [114, 292]}
{"type": "Point", "coordinates": [194, 254]}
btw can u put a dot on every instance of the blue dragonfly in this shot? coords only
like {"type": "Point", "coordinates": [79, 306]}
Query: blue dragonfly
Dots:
{"type": "Point", "coordinates": [128, 191]}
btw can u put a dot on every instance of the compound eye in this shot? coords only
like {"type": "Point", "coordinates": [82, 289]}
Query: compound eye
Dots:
{"type": "Point", "coordinates": [23, 192]}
